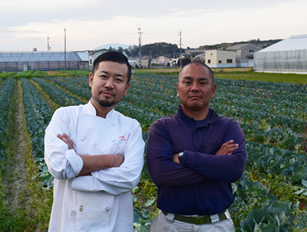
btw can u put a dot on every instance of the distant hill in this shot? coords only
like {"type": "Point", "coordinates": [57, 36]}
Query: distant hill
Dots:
{"type": "Point", "coordinates": [113, 46]}
{"type": "Point", "coordinates": [157, 49]}
{"type": "Point", "coordinates": [162, 48]}
{"type": "Point", "coordinates": [258, 42]}
{"type": "Point", "coordinates": [152, 50]}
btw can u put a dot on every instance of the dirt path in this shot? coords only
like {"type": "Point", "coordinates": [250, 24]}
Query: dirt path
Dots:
{"type": "Point", "coordinates": [18, 171]}
{"type": "Point", "coordinates": [17, 195]}
{"type": "Point", "coordinates": [25, 205]}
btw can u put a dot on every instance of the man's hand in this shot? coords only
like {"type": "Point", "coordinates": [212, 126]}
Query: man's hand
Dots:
{"type": "Point", "coordinates": [66, 140]}
{"type": "Point", "coordinates": [176, 159]}
{"type": "Point", "coordinates": [109, 160]}
{"type": "Point", "coordinates": [227, 148]}
{"type": "Point", "coordinates": [97, 162]}
{"type": "Point", "coordinates": [94, 162]}
{"type": "Point", "coordinates": [117, 160]}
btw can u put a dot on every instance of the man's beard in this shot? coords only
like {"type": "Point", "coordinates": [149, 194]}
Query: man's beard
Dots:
{"type": "Point", "coordinates": [105, 103]}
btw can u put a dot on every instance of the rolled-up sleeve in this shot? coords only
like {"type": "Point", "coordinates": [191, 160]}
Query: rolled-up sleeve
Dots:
{"type": "Point", "coordinates": [62, 163]}
{"type": "Point", "coordinates": [121, 179]}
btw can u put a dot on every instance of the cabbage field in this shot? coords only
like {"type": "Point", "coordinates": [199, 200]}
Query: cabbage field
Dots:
{"type": "Point", "coordinates": [270, 196]}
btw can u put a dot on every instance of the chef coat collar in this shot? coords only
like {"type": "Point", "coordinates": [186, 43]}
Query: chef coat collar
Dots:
{"type": "Point", "coordinates": [90, 109]}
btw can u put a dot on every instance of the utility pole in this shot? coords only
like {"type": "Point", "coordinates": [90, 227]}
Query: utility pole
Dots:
{"type": "Point", "coordinates": [180, 50]}
{"type": "Point", "coordinates": [48, 48]}
{"type": "Point", "coordinates": [140, 48]}
{"type": "Point", "coordinates": [64, 48]}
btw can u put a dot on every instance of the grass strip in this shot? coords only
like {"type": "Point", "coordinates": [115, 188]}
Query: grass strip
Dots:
{"type": "Point", "coordinates": [53, 106]}
{"type": "Point", "coordinates": [31, 210]}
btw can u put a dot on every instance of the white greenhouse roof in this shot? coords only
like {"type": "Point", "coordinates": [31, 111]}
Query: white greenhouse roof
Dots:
{"type": "Point", "coordinates": [298, 42]}
{"type": "Point", "coordinates": [83, 55]}
{"type": "Point", "coordinates": [37, 56]}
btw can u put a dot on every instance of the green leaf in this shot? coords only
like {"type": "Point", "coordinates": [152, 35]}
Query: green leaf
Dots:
{"type": "Point", "coordinates": [150, 202]}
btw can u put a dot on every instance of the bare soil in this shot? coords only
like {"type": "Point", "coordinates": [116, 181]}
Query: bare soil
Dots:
{"type": "Point", "coordinates": [56, 73]}
{"type": "Point", "coordinates": [16, 191]}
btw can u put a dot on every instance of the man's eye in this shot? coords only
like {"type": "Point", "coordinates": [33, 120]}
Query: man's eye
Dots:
{"type": "Point", "coordinates": [119, 80]}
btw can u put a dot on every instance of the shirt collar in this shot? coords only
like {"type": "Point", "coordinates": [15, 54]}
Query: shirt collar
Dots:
{"type": "Point", "coordinates": [211, 118]}
{"type": "Point", "coordinates": [90, 109]}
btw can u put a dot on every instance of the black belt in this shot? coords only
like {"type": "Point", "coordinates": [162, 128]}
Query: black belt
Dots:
{"type": "Point", "coordinates": [206, 219]}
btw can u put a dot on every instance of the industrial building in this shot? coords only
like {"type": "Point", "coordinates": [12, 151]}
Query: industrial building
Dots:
{"type": "Point", "coordinates": [244, 54]}
{"type": "Point", "coordinates": [24, 61]}
{"type": "Point", "coordinates": [286, 56]}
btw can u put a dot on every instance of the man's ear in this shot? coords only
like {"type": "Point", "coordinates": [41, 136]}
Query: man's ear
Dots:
{"type": "Point", "coordinates": [213, 90]}
{"type": "Point", "coordinates": [126, 89]}
{"type": "Point", "coordinates": [90, 80]}
{"type": "Point", "coordinates": [177, 90]}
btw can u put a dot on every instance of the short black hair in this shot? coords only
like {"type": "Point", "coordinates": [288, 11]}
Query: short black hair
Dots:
{"type": "Point", "coordinates": [114, 57]}
{"type": "Point", "coordinates": [202, 64]}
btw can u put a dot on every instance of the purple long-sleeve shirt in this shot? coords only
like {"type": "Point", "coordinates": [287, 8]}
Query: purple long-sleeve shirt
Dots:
{"type": "Point", "coordinates": [201, 184]}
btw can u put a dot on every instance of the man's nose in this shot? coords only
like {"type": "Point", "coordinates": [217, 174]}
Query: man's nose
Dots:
{"type": "Point", "coordinates": [109, 83]}
{"type": "Point", "coordinates": [194, 86]}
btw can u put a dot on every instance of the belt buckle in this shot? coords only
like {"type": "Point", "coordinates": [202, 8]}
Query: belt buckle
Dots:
{"type": "Point", "coordinates": [226, 213]}
{"type": "Point", "coordinates": [170, 216]}
{"type": "Point", "coordinates": [214, 218]}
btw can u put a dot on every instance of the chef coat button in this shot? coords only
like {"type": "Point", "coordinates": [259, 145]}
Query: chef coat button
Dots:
{"type": "Point", "coordinates": [82, 138]}
{"type": "Point", "coordinates": [113, 140]}
{"type": "Point", "coordinates": [107, 209]}
{"type": "Point", "coordinates": [81, 208]}
{"type": "Point", "coordinates": [113, 124]}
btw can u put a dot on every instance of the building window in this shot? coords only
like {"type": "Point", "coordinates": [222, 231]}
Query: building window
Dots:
{"type": "Point", "coordinates": [229, 61]}
{"type": "Point", "coordinates": [91, 61]}
{"type": "Point", "coordinates": [209, 61]}
{"type": "Point", "coordinates": [220, 61]}
{"type": "Point", "coordinates": [251, 50]}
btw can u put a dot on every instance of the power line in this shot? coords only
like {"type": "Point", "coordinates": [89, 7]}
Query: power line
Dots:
{"type": "Point", "coordinates": [180, 49]}
{"type": "Point", "coordinates": [65, 48]}
{"type": "Point", "coordinates": [48, 47]}
{"type": "Point", "coordinates": [140, 47]}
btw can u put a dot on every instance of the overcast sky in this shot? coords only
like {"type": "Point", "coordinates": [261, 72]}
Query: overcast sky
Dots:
{"type": "Point", "coordinates": [26, 24]}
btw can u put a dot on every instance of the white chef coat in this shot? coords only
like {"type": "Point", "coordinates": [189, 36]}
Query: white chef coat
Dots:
{"type": "Point", "coordinates": [101, 202]}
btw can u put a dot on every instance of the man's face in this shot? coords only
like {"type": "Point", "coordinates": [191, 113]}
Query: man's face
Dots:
{"type": "Point", "coordinates": [109, 83]}
{"type": "Point", "coordinates": [195, 87]}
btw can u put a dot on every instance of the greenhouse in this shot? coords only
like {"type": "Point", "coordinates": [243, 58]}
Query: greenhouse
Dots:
{"type": "Point", "coordinates": [24, 61]}
{"type": "Point", "coordinates": [286, 56]}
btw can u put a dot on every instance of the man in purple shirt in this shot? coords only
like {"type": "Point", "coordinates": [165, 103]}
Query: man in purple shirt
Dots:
{"type": "Point", "coordinates": [193, 157]}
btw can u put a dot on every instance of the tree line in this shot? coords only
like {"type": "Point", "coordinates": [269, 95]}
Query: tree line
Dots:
{"type": "Point", "coordinates": [162, 48]}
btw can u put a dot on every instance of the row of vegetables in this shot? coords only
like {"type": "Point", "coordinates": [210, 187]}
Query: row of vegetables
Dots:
{"type": "Point", "coordinates": [38, 115]}
{"type": "Point", "coordinates": [6, 93]}
{"type": "Point", "coordinates": [276, 142]}
{"type": "Point", "coordinates": [276, 138]}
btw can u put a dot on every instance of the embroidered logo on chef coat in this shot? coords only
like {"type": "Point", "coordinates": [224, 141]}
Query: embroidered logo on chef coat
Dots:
{"type": "Point", "coordinates": [123, 138]}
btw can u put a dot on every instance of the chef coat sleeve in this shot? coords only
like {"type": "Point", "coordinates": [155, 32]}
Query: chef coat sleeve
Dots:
{"type": "Point", "coordinates": [62, 163]}
{"type": "Point", "coordinates": [121, 179]}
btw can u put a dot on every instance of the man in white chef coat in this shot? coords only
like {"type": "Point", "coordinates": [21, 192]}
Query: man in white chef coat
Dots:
{"type": "Point", "coordinates": [96, 155]}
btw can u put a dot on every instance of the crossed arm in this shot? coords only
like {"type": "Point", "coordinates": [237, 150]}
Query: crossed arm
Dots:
{"type": "Point", "coordinates": [94, 162]}
{"type": "Point", "coordinates": [97, 171]}
{"type": "Point", "coordinates": [98, 162]}
{"type": "Point", "coordinates": [226, 165]}
{"type": "Point", "coordinates": [226, 149]}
